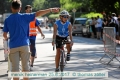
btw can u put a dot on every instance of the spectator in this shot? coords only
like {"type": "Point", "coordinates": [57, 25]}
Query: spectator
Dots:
{"type": "Point", "coordinates": [105, 22]}
{"type": "Point", "coordinates": [50, 24]}
{"type": "Point", "coordinates": [33, 25]}
{"type": "Point", "coordinates": [71, 20]}
{"type": "Point", "coordinates": [99, 27]}
{"type": "Point", "coordinates": [109, 20]}
{"type": "Point", "coordinates": [114, 23]}
{"type": "Point", "coordinates": [93, 27]}
{"type": "Point", "coordinates": [17, 25]}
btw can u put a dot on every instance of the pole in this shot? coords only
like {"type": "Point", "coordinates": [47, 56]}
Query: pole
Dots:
{"type": "Point", "coordinates": [74, 17]}
{"type": "Point", "coordinates": [74, 10]}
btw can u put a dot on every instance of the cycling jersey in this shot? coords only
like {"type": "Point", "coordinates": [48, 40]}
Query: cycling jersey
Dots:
{"type": "Point", "coordinates": [62, 29]}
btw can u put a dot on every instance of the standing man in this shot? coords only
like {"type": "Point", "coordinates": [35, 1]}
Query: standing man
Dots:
{"type": "Point", "coordinates": [33, 25]}
{"type": "Point", "coordinates": [99, 27]}
{"type": "Point", "coordinates": [114, 20]}
{"type": "Point", "coordinates": [17, 24]}
{"type": "Point", "coordinates": [71, 20]}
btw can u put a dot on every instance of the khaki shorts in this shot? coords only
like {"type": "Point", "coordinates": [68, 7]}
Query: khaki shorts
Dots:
{"type": "Point", "coordinates": [18, 53]}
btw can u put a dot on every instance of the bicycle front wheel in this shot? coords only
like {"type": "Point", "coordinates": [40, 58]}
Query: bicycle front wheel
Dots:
{"type": "Point", "coordinates": [62, 61]}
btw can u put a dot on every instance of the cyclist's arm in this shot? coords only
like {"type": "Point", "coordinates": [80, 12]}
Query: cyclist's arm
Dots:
{"type": "Point", "coordinates": [70, 31]}
{"type": "Point", "coordinates": [54, 32]}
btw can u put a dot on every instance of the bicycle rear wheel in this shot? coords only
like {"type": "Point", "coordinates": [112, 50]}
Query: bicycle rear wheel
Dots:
{"type": "Point", "coordinates": [62, 61]}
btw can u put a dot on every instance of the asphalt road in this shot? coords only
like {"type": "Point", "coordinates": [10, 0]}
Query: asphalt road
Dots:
{"type": "Point", "coordinates": [85, 56]}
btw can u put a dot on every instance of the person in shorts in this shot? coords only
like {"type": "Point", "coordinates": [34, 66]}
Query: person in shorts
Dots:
{"type": "Point", "coordinates": [99, 27]}
{"type": "Point", "coordinates": [17, 25]}
{"type": "Point", "coordinates": [34, 26]}
{"type": "Point", "coordinates": [62, 29]}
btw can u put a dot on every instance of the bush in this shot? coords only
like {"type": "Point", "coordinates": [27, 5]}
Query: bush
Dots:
{"type": "Point", "coordinates": [53, 16]}
{"type": "Point", "coordinates": [92, 14]}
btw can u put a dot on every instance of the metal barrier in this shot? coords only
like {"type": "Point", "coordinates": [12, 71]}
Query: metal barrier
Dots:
{"type": "Point", "coordinates": [109, 40]}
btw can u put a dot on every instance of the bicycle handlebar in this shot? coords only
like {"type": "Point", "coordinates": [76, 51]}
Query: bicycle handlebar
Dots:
{"type": "Point", "coordinates": [63, 42]}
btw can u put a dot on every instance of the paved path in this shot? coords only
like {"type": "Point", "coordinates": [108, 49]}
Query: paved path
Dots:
{"type": "Point", "coordinates": [85, 57]}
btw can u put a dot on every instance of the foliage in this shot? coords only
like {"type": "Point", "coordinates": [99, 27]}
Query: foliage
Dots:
{"type": "Point", "coordinates": [105, 5]}
{"type": "Point", "coordinates": [70, 4]}
{"type": "Point", "coordinates": [92, 14]}
{"type": "Point", "coordinates": [54, 16]}
{"type": "Point", "coordinates": [117, 7]}
{"type": "Point", "coordinates": [98, 6]}
{"type": "Point", "coordinates": [38, 4]}
{"type": "Point", "coordinates": [43, 4]}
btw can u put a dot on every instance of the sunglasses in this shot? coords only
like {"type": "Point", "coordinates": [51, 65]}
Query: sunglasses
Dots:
{"type": "Point", "coordinates": [30, 9]}
{"type": "Point", "coordinates": [65, 16]}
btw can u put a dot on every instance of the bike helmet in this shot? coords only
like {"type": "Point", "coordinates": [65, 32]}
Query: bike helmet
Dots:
{"type": "Point", "coordinates": [64, 12]}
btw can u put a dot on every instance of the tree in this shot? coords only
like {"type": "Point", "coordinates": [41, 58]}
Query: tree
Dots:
{"type": "Point", "coordinates": [43, 4]}
{"type": "Point", "coordinates": [38, 4]}
{"type": "Point", "coordinates": [2, 10]}
{"type": "Point", "coordinates": [105, 5]}
{"type": "Point", "coordinates": [70, 4]}
{"type": "Point", "coordinates": [5, 6]}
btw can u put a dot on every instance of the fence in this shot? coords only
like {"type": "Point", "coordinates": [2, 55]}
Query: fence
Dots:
{"type": "Point", "coordinates": [110, 42]}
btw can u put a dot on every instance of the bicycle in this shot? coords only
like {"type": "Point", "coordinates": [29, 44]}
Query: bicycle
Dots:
{"type": "Point", "coordinates": [63, 58]}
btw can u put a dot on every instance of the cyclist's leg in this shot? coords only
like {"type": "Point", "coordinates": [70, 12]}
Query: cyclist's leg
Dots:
{"type": "Point", "coordinates": [57, 57]}
{"type": "Point", "coordinates": [32, 50]}
{"type": "Point", "coordinates": [68, 46]}
{"type": "Point", "coordinates": [68, 51]}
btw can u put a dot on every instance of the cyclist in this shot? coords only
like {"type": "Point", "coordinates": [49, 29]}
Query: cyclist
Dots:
{"type": "Point", "coordinates": [33, 26]}
{"type": "Point", "coordinates": [62, 29]}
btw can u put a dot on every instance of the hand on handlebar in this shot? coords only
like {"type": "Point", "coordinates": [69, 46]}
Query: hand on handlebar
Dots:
{"type": "Point", "coordinates": [53, 44]}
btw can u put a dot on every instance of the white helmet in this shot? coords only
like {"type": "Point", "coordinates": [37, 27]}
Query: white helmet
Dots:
{"type": "Point", "coordinates": [64, 12]}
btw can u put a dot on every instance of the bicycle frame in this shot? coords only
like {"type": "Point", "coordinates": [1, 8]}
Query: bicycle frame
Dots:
{"type": "Point", "coordinates": [63, 61]}
{"type": "Point", "coordinates": [62, 58]}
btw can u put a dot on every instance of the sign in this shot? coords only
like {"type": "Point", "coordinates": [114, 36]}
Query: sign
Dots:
{"type": "Point", "coordinates": [74, 10]}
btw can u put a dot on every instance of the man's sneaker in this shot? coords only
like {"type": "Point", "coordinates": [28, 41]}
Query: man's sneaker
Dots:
{"type": "Point", "coordinates": [68, 57]}
{"type": "Point", "coordinates": [56, 70]}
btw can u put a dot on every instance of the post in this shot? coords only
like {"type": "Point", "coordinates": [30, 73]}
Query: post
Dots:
{"type": "Point", "coordinates": [74, 16]}
{"type": "Point", "coordinates": [74, 10]}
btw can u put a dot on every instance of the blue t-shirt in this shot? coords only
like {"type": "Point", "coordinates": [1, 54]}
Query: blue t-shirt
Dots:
{"type": "Point", "coordinates": [37, 23]}
{"type": "Point", "coordinates": [62, 29]}
{"type": "Point", "coordinates": [18, 27]}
